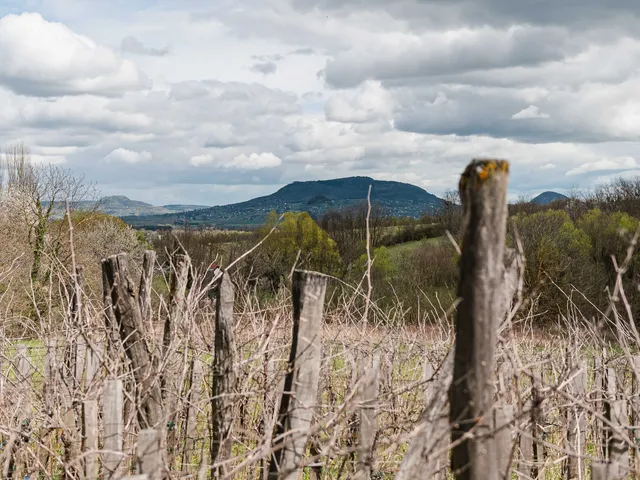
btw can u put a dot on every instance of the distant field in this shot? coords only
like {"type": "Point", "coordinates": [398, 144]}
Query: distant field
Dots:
{"type": "Point", "coordinates": [398, 251]}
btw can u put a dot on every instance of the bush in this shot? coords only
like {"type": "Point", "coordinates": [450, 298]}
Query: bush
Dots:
{"type": "Point", "coordinates": [557, 257]}
{"type": "Point", "coordinates": [298, 241]}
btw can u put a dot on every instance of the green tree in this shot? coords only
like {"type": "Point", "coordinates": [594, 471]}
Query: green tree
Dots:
{"type": "Point", "coordinates": [382, 269]}
{"type": "Point", "coordinates": [557, 257]}
{"type": "Point", "coordinates": [609, 234]}
{"type": "Point", "coordinates": [299, 241]}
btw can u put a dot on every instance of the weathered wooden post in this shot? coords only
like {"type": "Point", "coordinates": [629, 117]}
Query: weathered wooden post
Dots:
{"type": "Point", "coordinates": [635, 413]}
{"type": "Point", "coordinates": [368, 424]}
{"type": "Point", "coordinates": [112, 404]}
{"type": "Point", "coordinates": [171, 338]}
{"type": "Point", "coordinates": [423, 446]}
{"type": "Point", "coordinates": [576, 434]}
{"type": "Point", "coordinates": [483, 189]}
{"type": "Point", "coordinates": [598, 392]}
{"type": "Point", "coordinates": [192, 412]}
{"type": "Point", "coordinates": [301, 383]}
{"type": "Point", "coordinates": [149, 454]}
{"type": "Point", "coordinates": [133, 332]}
{"type": "Point", "coordinates": [503, 417]}
{"type": "Point", "coordinates": [618, 442]}
{"type": "Point", "coordinates": [90, 437]}
{"type": "Point", "coordinates": [146, 284]}
{"type": "Point", "coordinates": [610, 384]}
{"type": "Point", "coordinates": [437, 465]}
{"type": "Point", "coordinates": [224, 376]}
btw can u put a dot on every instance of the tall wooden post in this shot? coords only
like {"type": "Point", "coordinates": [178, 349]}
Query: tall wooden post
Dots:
{"type": "Point", "coordinates": [224, 376]}
{"type": "Point", "coordinates": [483, 190]}
{"type": "Point", "coordinates": [133, 334]}
{"type": "Point", "coordinates": [146, 284]}
{"type": "Point", "coordinates": [113, 399]}
{"type": "Point", "coordinates": [301, 383]}
{"type": "Point", "coordinates": [172, 388]}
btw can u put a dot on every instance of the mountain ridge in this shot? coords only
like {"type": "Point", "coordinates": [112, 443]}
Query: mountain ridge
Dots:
{"type": "Point", "coordinates": [315, 197]}
{"type": "Point", "coordinates": [123, 206]}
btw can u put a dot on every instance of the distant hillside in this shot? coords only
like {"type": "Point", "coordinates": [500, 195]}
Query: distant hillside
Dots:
{"type": "Point", "coordinates": [548, 197]}
{"type": "Point", "coordinates": [121, 206]}
{"type": "Point", "coordinates": [317, 197]}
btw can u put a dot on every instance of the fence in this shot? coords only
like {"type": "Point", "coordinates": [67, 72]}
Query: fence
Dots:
{"type": "Point", "coordinates": [230, 389]}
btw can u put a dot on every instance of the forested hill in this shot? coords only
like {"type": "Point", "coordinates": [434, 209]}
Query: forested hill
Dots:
{"type": "Point", "coordinates": [547, 197]}
{"type": "Point", "coordinates": [315, 197]}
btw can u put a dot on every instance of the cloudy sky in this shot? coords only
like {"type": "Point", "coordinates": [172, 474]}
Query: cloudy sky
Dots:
{"type": "Point", "coordinates": [214, 102]}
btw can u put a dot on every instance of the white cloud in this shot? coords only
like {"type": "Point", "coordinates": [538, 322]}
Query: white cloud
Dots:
{"type": "Point", "coordinates": [42, 58]}
{"type": "Point", "coordinates": [122, 155]}
{"type": "Point", "coordinates": [131, 44]}
{"type": "Point", "coordinates": [530, 112]}
{"type": "Point", "coordinates": [370, 103]}
{"type": "Point", "coordinates": [621, 163]}
{"type": "Point", "coordinates": [255, 161]}
{"type": "Point", "coordinates": [221, 159]}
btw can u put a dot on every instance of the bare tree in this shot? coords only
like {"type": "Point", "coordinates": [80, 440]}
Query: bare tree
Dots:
{"type": "Point", "coordinates": [40, 191]}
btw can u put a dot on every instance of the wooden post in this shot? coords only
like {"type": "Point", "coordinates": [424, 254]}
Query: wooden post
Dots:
{"type": "Point", "coordinates": [24, 373]}
{"type": "Point", "coordinates": [94, 358]}
{"type": "Point", "coordinates": [618, 446]}
{"type": "Point", "coordinates": [77, 300]}
{"type": "Point", "coordinates": [431, 432]}
{"type": "Point", "coordinates": [149, 454]}
{"type": "Point", "coordinates": [525, 460]}
{"type": "Point", "coordinates": [50, 369]}
{"type": "Point", "coordinates": [146, 284]}
{"type": "Point", "coordinates": [437, 465]}
{"type": "Point", "coordinates": [610, 397]}
{"type": "Point", "coordinates": [90, 437]}
{"type": "Point", "coordinates": [598, 392]}
{"type": "Point", "coordinates": [81, 358]}
{"type": "Point", "coordinates": [172, 387]}
{"type": "Point", "coordinates": [368, 424]}
{"type": "Point", "coordinates": [604, 471]}
{"type": "Point", "coordinates": [192, 413]}
{"type": "Point", "coordinates": [224, 377]}
{"type": "Point", "coordinates": [112, 404]}
{"type": "Point", "coordinates": [112, 329]}
{"type": "Point", "coordinates": [483, 189]}
{"type": "Point", "coordinates": [635, 413]}
{"type": "Point", "coordinates": [576, 433]}
{"type": "Point", "coordinates": [133, 335]}
{"type": "Point", "coordinates": [502, 420]}
{"type": "Point", "coordinates": [301, 383]}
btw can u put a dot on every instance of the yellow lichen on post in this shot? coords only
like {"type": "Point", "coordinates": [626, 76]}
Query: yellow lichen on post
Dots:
{"type": "Point", "coordinates": [482, 169]}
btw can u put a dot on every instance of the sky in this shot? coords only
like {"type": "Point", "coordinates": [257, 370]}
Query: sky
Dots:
{"type": "Point", "coordinates": [215, 102]}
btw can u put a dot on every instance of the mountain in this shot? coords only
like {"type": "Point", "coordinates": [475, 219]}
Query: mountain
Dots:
{"type": "Point", "coordinates": [548, 197]}
{"type": "Point", "coordinates": [121, 206]}
{"type": "Point", "coordinates": [315, 197]}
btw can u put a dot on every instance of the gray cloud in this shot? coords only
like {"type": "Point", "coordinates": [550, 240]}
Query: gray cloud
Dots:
{"type": "Point", "coordinates": [428, 13]}
{"type": "Point", "coordinates": [133, 45]}
{"type": "Point", "coordinates": [266, 68]}
{"type": "Point", "coordinates": [435, 55]}
{"type": "Point", "coordinates": [304, 51]}
{"type": "Point", "coordinates": [268, 58]}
